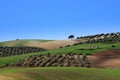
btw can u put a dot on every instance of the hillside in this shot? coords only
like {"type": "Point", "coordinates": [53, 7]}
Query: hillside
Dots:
{"type": "Point", "coordinates": [55, 44]}
{"type": "Point", "coordinates": [59, 74]}
{"type": "Point", "coordinates": [108, 37]}
{"type": "Point", "coordinates": [46, 44]}
{"type": "Point", "coordinates": [22, 42]}
{"type": "Point", "coordinates": [63, 60]}
{"type": "Point", "coordinates": [106, 59]}
{"type": "Point", "coordinates": [11, 51]}
{"type": "Point", "coordinates": [75, 49]}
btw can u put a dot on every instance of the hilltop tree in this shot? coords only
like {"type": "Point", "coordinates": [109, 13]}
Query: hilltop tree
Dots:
{"type": "Point", "coordinates": [71, 37]}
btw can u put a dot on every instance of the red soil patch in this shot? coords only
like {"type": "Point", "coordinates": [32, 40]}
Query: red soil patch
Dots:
{"type": "Point", "coordinates": [106, 59]}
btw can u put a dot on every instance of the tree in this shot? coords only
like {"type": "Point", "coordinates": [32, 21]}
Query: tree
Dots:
{"type": "Point", "coordinates": [17, 39]}
{"type": "Point", "coordinates": [78, 38]}
{"type": "Point", "coordinates": [71, 37]}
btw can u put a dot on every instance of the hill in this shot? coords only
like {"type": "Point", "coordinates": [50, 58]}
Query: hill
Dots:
{"type": "Point", "coordinates": [101, 52]}
{"type": "Point", "coordinates": [22, 42]}
{"type": "Point", "coordinates": [55, 44]}
{"type": "Point", "coordinates": [59, 74]}
{"type": "Point", "coordinates": [88, 48]}
{"type": "Point", "coordinates": [108, 37]}
{"type": "Point", "coordinates": [46, 44]}
{"type": "Point", "coordinates": [106, 59]}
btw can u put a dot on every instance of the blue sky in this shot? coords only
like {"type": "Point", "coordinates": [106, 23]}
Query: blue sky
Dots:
{"type": "Point", "coordinates": [56, 19]}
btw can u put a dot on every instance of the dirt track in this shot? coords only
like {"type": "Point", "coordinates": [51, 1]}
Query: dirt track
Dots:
{"type": "Point", "coordinates": [106, 59]}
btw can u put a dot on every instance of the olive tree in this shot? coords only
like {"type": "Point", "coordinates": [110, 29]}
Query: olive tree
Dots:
{"type": "Point", "coordinates": [71, 37]}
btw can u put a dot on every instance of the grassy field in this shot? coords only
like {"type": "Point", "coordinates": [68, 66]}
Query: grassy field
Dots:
{"type": "Point", "coordinates": [58, 73]}
{"type": "Point", "coordinates": [21, 42]}
{"type": "Point", "coordinates": [86, 47]}
{"type": "Point", "coordinates": [71, 49]}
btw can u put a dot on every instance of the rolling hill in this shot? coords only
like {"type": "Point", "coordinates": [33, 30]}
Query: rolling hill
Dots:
{"type": "Point", "coordinates": [75, 49]}
{"type": "Point", "coordinates": [46, 44]}
{"type": "Point", "coordinates": [103, 51]}
{"type": "Point", "coordinates": [58, 73]}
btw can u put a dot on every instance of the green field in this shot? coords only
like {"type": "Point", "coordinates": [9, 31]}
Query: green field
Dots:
{"type": "Point", "coordinates": [57, 73]}
{"type": "Point", "coordinates": [86, 47]}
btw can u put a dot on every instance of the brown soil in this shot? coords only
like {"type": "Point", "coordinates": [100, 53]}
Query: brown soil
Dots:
{"type": "Point", "coordinates": [54, 44]}
{"type": "Point", "coordinates": [5, 78]}
{"type": "Point", "coordinates": [106, 59]}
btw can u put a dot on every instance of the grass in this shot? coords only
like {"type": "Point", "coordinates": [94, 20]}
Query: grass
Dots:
{"type": "Point", "coordinates": [22, 42]}
{"type": "Point", "coordinates": [71, 49]}
{"type": "Point", "coordinates": [86, 47]}
{"type": "Point", "coordinates": [14, 59]}
{"type": "Point", "coordinates": [58, 73]}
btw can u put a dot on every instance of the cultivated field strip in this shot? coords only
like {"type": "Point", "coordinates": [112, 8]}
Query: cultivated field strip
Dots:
{"type": "Point", "coordinates": [10, 51]}
{"type": "Point", "coordinates": [57, 60]}
{"type": "Point", "coordinates": [109, 37]}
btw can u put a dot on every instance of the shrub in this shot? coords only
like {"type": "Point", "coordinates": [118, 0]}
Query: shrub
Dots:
{"type": "Point", "coordinates": [113, 46]}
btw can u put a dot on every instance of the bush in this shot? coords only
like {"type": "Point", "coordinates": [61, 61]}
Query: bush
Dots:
{"type": "Point", "coordinates": [67, 46]}
{"type": "Point", "coordinates": [61, 47]}
{"type": "Point", "coordinates": [113, 46]}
